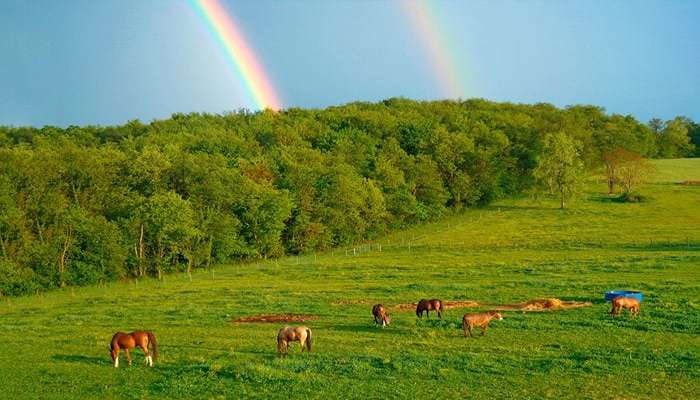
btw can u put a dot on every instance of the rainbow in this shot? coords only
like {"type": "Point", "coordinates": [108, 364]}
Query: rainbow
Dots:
{"type": "Point", "coordinates": [243, 60]}
{"type": "Point", "coordinates": [435, 43]}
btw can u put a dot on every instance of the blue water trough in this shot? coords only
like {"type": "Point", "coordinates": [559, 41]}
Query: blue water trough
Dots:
{"type": "Point", "coordinates": [611, 294]}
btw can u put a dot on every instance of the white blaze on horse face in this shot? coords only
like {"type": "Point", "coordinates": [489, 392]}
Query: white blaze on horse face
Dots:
{"type": "Point", "coordinates": [116, 362]}
{"type": "Point", "coordinates": [150, 360]}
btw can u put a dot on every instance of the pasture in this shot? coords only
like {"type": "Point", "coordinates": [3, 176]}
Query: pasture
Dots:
{"type": "Point", "coordinates": [55, 345]}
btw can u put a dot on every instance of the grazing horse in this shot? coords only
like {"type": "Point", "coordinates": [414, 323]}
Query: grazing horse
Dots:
{"type": "Point", "coordinates": [288, 334]}
{"type": "Point", "coordinates": [380, 315]}
{"type": "Point", "coordinates": [427, 305]}
{"type": "Point", "coordinates": [128, 341]}
{"type": "Point", "coordinates": [469, 321]}
{"type": "Point", "coordinates": [622, 302]}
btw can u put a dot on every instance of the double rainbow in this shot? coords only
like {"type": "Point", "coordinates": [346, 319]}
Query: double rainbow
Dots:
{"type": "Point", "coordinates": [230, 39]}
{"type": "Point", "coordinates": [241, 57]}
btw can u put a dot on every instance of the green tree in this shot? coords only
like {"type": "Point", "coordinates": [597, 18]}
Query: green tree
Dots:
{"type": "Point", "coordinates": [559, 168]}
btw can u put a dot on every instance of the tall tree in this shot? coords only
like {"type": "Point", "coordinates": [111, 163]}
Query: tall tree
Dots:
{"type": "Point", "coordinates": [560, 168]}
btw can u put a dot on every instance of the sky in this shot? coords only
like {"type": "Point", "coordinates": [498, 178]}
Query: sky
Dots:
{"type": "Point", "coordinates": [78, 62]}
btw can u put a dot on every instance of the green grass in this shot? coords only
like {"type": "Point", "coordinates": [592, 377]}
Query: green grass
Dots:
{"type": "Point", "coordinates": [55, 345]}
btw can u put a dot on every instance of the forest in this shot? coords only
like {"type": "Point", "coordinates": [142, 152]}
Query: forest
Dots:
{"type": "Point", "coordinates": [90, 204]}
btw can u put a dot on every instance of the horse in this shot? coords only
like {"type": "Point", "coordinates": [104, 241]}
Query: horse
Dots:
{"type": "Point", "coordinates": [288, 334]}
{"type": "Point", "coordinates": [469, 321]}
{"type": "Point", "coordinates": [128, 341]}
{"type": "Point", "coordinates": [427, 305]}
{"type": "Point", "coordinates": [621, 302]}
{"type": "Point", "coordinates": [380, 315]}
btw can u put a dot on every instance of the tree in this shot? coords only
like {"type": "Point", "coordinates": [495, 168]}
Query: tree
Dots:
{"type": "Point", "coordinates": [674, 141]}
{"type": "Point", "coordinates": [632, 171]}
{"type": "Point", "coordinates": [559, 168]}
{"type": "Point", "coordinates": [169, 227]}
{"type": "Point", "coordinates": [611, 162]}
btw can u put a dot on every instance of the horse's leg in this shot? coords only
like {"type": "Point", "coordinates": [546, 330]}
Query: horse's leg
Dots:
{"type": "Point", "coordinates": [483, 329]}
{"type": "Point", "coordinates": [116, 359]}
{"type": "Point", "coordinates": [149, 359]}
{"type": "Point", "coordinates": [128, 356]}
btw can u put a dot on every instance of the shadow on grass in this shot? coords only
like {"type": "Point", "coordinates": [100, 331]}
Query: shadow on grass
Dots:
{"type": "Point", "coordinates": [76, 358]}
{"type": "Point", "coordinates": [497, 208]}
{"type": "Point", "coordinates": [369, 327]}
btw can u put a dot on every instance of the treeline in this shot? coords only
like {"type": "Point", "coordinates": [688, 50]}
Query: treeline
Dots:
{"type": "Point", "coordinates": [87, 204]}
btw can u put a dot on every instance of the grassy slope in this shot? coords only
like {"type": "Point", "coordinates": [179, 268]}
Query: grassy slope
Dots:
{"type": "Point", "coordinates": [55, 345]}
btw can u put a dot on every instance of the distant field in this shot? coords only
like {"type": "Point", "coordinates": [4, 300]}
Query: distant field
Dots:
{"type": "Point", "coordinates": [55, 345]}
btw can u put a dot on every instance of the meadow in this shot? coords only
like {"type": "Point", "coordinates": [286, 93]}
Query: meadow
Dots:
{"type": "Point", "coordinates": [55, 345]}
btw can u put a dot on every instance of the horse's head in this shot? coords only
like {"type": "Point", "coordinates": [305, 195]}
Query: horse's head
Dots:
{"type": "Point", "coordinates": [113, 353]}
{"type": "Point", "coordinates": [497, 316]}
{"type": "Point", "coordinates": [387, 319]}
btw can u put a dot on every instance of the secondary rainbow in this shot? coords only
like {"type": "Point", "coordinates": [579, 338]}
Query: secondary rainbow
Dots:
{"type": "Point", "coordinates": [239, 54]}
{"type": "Point", "coordinates": [436, 44]}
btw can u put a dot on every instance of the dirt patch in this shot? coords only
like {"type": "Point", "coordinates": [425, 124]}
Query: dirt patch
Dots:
{"type": "Point", "coordinates": [531, 305]}
{"type": "Point", "coordinates": [448, 305]}
{"type": "Point", "coordinates": [544, 305]}
{"type": "Point", "coordinates": [691, 183]}
{"type": "Point", "coordinates": [276, 318]}
{"type": "Point", "coordinates": [351, 302]}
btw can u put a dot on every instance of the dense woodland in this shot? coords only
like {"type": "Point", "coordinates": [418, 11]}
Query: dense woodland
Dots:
{"type": "Point", "coordinates": [82, 205]}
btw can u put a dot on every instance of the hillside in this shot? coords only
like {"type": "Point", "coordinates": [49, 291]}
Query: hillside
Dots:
{"type": "Point", "coordinates": [510, 251]}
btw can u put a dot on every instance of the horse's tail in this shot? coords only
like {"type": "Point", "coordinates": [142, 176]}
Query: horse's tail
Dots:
{"type": "Point", "coordinates": [308, 339]}
{"type": "Point", "coordinates": [152, 341]}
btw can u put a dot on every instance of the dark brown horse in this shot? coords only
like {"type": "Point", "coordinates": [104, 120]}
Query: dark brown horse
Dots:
{"type": "Point", "coordinates": [621, 302]}
{"type": "Point", "coordinates": [380, 315]}
{"type": "Point", "coordinates": [428, 305]}
{"type": "Point", "coordinates": [288, 334]}
{"type": "Point", "coordinates": [128, 341]}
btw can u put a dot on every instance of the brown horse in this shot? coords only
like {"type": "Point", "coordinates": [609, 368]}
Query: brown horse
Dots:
{"type": "Point", "coordinates": [469, 321]}
{"type": "Point", "coordinates": [427, 305]}
{"type": "Point", "coordinates": [621, 302]}
{"type": "Point", "coordinates": [380, 315]}
{"type": "Point", "coordinates": [288, 334]}
{"type": "Point", "coordinates": [128, 341]}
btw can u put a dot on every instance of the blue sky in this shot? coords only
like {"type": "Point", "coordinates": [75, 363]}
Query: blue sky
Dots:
{"type": "Point", "coordinates": [109, 61]}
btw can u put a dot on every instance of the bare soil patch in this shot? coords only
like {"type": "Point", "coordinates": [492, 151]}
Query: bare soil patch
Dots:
{"type": "Point", "coordinates": [448, 305]}
{"type": "Point", "coordinates": [530, 305]}
{"type": "Point", "coordinates": [544, 305]}
{"type": "Point", "coordinates": [351, 302]}
{"type": "Point", "coordinates": [276, 318]}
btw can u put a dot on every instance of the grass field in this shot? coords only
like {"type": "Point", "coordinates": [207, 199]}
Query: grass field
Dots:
{"type": "Point", "coordinates": [55, 345]}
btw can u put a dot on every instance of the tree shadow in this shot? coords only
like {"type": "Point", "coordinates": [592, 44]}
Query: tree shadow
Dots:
{"type": "Point", "coordinates": [77, 358]}
{"type": "Point", "coordinates": [497, 208]}
{"type": "Point", "coordinates": [369, 327]}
